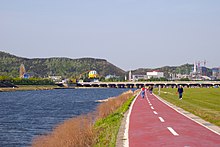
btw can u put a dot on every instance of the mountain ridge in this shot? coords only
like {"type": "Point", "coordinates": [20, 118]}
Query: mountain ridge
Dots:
{"type": "Point", "coordinates": [67, 67]}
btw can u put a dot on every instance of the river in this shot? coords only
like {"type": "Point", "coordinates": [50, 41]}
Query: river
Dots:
{"type": "Point", "coordinates": [27, 114]}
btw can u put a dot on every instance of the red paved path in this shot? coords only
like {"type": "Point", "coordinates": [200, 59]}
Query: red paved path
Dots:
{"type": "Point", "coordinates": [147, 130]}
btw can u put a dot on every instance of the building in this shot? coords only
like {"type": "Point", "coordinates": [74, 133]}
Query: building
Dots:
{"type": "Point", "coordinates": [111, 77]}
{"type": "Point", "coordinates": [215, 73]}
{"type": "Point", "coordinates": [93, 74]}
{"type": "Point", "coordinates": [139, 77]}
{"type": "Point", "coordinates": [55, 78]}
{"type": "Point", "coordinates": [182, 76]}
{"type": "Point", "coordinates": [155, 74]}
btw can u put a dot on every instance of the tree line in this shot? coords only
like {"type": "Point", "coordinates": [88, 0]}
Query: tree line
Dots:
{"type": "Point", "coordinates": [30, 81]}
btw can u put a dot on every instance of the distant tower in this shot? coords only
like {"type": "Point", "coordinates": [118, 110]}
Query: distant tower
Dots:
{"type": "Point", "coordinates": [22, 71]}
{"type": "Point", "coordinates": [204, 68]}
{"type": "Point", "coordinates": [199, 68]}
{"type": "Point", "coordinates": [194, 69]}
{"type": "Point", "coordinates": [205, 63]}
{"type": "Point", "coordinates": [125, 78]}
{"type": "Point", "coordinates": [130, 76]}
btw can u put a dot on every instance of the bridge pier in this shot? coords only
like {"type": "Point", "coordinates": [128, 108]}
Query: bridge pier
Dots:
{"type": "Point", "coordinates": [139, 85]}
{"type": "Point", "coordinates": [112, 85]}
{"type": "Point", "coordinates": [103, 85]}
{"type": "Point", "coordinates": [129, 85]}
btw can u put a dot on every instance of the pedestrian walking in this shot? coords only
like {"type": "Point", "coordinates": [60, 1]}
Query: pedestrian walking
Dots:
{"type": "Point", "coordinates": [180, 91]}
{"type": "Point", "coordinates": [143, 92]}
{"type": "Point", "coordinates": [151, 89]}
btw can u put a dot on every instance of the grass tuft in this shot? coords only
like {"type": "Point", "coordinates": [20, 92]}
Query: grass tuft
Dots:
{"type": "Point", "coordinates": [76, 132]}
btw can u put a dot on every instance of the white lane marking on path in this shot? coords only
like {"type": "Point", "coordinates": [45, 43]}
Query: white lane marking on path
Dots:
{"type": "Point", "coordinates": [179, 111]}
{"type": "Point", "coordinates": [161, 119]}
{"type": "Point", "coordinates": [152, 107]}
{"type": "Point", "coordinates": [150, 104]}
{"type": "Point", "coordinates": [173, 131]}
{"type": "Point", "coordinates": [155, 112]}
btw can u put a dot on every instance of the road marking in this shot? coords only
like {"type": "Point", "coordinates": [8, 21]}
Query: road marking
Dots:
{"type": "Point", "coordinates": [161, 119]}
{"type": "Point", "coordinates": [155, 112]}
{"type": "Point", "coordinates": [150, 104]}
{"type": "Point", "coordinates": [172, 131]}
{"type": "Point", "coordinates": [181, 111]}
{"type": "Point", "coordinates": [152, 107]}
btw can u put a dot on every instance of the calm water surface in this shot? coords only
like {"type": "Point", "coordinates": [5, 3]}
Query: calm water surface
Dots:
{"type": "Point", "coordinates": [26, 114]}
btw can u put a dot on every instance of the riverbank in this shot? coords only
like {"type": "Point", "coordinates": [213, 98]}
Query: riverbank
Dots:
{"type": "Point", "coordinates": [98, 128]}
{"type": "Point", "coordinates": [29, 87]}
{"type": "Point", "coordinates": [41, 87]}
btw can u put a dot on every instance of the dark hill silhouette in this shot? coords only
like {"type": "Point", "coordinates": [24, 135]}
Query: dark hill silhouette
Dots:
{"type": "Point", "coordinates": [64, 67]}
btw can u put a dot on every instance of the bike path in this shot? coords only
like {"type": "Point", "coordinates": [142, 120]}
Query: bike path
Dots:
{"type": "Point", "coordinates": [153, 123]}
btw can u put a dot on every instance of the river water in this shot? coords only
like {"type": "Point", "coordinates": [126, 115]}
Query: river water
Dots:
{"type": "Point", "coordinates": [26, 114]}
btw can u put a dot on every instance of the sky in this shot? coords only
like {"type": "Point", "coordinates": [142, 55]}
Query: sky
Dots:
{"type": "Point", "coordinates": [130, 34]}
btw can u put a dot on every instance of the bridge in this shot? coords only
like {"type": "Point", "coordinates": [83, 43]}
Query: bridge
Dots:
{"type": "Point", "coordinates": [153, 83]}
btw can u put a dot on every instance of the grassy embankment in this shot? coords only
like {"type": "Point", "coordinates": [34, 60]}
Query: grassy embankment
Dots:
{"type": "Point", "coordinates": [203, 102]}
{"type": "Point", "coordinates": [108, 125]}
{"type": "Point", "coordinates": [99, 128]}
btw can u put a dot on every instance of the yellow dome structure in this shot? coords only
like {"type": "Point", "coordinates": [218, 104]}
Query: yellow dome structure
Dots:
{"type": "Point", "coordinates": [93, 74]}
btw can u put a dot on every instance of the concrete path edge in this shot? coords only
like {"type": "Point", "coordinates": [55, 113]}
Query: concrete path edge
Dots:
{"type": "Point", "coordinates": [122, 137]}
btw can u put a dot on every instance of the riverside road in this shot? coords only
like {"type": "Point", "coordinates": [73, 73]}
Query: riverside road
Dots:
{"type": "Point", "coordinates": [153, 123]}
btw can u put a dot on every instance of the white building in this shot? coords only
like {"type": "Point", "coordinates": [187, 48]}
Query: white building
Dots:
{"type": "Point", "coordinates": [56, 78]}
{"type": "Point", "coordinates": [155, 74]}
{"type": "Point", "coordinates": [139, 77]}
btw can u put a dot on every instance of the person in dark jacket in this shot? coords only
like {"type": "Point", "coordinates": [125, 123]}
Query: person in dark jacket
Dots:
{"type": "Point", "coordinates": [151, 89]}
{"type": "Point", "coordinates": [180, 91]}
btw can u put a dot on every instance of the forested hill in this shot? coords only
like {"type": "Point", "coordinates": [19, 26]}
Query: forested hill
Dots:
{"type": "Point", "coordinates": [183, 69]}
{"type": "Point", "coordinates": [167, 70]}
{"type": "Point", "coordinates": [66, 67]}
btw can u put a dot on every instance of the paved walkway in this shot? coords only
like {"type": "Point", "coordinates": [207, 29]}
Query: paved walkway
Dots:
{"type": "Point", "coordinates": [153, 123]}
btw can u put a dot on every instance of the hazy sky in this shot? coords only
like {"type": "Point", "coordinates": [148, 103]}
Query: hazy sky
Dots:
{"type": "Point", "coordinates": [128, 33]}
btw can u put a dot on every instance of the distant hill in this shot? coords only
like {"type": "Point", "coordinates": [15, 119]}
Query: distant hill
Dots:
{"type": "Point", "coordinates": [65, 67]}
{"type": "Point", "coordinates": [182, 69]}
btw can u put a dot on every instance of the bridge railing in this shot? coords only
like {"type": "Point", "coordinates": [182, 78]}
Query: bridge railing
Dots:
{"type": "Point", "coordinates": [153, 83]}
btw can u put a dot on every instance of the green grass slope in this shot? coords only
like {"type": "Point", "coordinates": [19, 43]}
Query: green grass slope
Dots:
{"type": "Point", "coordinates": [203, 102]}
